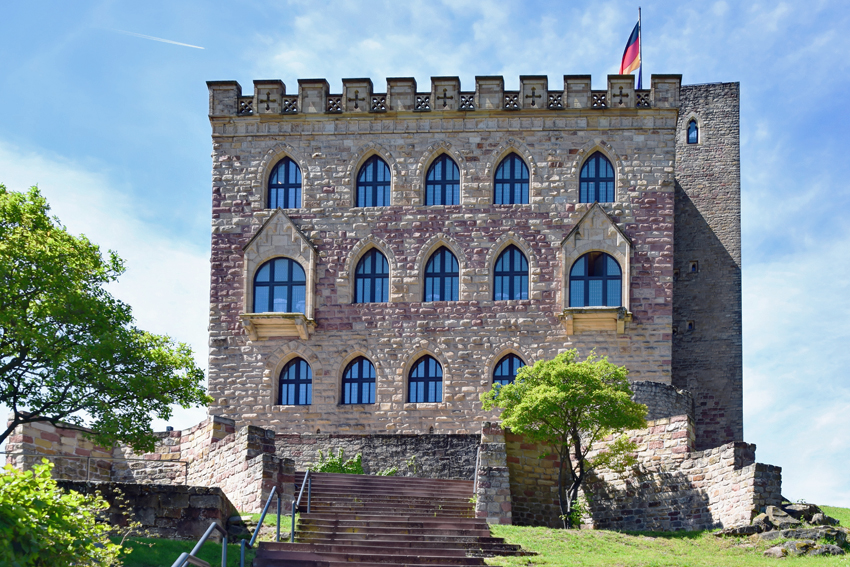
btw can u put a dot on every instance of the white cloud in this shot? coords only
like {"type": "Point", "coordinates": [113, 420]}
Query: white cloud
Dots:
{"type": "Point", "coordinates": [166, 282]}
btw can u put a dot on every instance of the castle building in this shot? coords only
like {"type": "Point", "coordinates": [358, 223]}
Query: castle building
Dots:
{"type": "Point", "coordinates": [381, 259]}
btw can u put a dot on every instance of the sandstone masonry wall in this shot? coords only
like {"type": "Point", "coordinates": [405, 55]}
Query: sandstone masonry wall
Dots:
{"type": "Point", "coordinates": [662, 400]}
{"type": "Point", "coordinates": [469, 336]}
{"type": "Point", "coordinates": [708, 360]}
{"type": "Point", "coordinates": [426, 456]}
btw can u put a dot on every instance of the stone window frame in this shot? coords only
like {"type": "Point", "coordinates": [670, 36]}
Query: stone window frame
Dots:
{"type": "Point", "coordinates": [512, 146]}
{"type": "Point", "coordinates": [416, 294]}
{"type": "Point", "coordinates": [411, 360]}
{"type": "Point", "coordinates": [621, 187]}
{"type": "Point", "coordinates": [682, 133]}
{"type": "Point", "coordinates": [429, 156]}
{"type": "Point", "coordinates": [347, 282]}
{"type": "Point", "coordinates": [533, 269]}
{"type": "Point", "coordinates": [357, 162]}
{"type": "Point", "coordinates": [274, 156]}
{"type": "Point", "coordinates": [274, 366]}
{"type": "Point", "coordinates": [381, 379]}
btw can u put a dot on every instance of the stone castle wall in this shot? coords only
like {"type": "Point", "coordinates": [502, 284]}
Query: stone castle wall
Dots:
{"type": "Point", "coordinates": [673, 487]}
{"type": "Point", "coordinates": [467, 337]}
{"type": "Point", "coordinates": [662, 400]}
{"type": "Point", "coordinates": [708, 359]}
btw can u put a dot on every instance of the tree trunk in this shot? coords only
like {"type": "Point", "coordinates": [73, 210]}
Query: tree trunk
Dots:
{"type": "Point", "coordinates": [563, 501]}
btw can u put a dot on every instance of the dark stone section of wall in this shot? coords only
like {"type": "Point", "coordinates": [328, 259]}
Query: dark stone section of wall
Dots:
{"type": "Point", "coordinates": [166, 511]}
{"type": "Point", "coordinates": [662, 400]}
{"type": "Point", "coordinates": [707, 360]}
{"type": "Point", "coordinates": [436, 456]}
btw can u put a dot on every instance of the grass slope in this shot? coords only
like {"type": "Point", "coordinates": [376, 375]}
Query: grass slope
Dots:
{"type": "Point", "coordinates": [155, 552]}
{"type": "Point", "coordinates": [651, 549]}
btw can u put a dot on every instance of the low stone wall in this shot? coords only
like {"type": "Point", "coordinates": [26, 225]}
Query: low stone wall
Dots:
{"type": "Point", "coordinates": [672, 488]}
{"type": "Point", "coordinates": [436, 455]}
{"type": "Point", "coordinates": [164, 510]}
{"type": "Point", "coordinates": [662, 400]}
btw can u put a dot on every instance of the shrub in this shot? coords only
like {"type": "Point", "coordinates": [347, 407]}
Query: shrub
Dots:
{"type": "Point", "coordinates": [338, 464]}
{"type": "Point", "coordinates": [41, 525]}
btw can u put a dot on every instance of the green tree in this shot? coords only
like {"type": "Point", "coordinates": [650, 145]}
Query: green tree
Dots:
{"type": "Point", "coordinates": [42, 525]}
{"type": "Point", "coordinates": [569, 406]}
{"type": "Point", "coordinates": [69, 350]}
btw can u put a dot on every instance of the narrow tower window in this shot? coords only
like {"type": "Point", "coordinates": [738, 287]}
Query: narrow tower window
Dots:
{"type": "Point", "coordinates": [279, 287]}
{"type": "Point", "coordinates": [373, 183]}
{"type": "Point", "coordinates": [442, 184]}
{"type": "Point", "coordinates": [285, 185]}
{"type": "Point", "coordinates": [511, 186]}
{"type": "Point", "coordinates": [693, 132]}
{"type": "Point", "coordinates": [441, 276]}
{"type": "Point", "coordinates": [510, 275]}
{"type": "Point", "coordinates": [425, 383]}
{"type": "Point", "coordinates": [596, 183]}
{"type": "Point", "coordinates": [505, 371]}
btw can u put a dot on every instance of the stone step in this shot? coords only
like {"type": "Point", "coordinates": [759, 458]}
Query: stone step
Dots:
{"type": "Point", "coordinates": [475, 544]}
{"type": "Point", "coordinates": [399, 530]}
{"type": "Point", "coordinates": [388, 519]}
{"type": "Point", "coordinates": [423, 536]}
{"type": "Point", "coordinates": [378, 557]}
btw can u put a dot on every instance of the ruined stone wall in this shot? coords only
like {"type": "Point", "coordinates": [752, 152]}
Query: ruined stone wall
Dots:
{"type": "Point", "coordinates": [662, 400]}
{"type": "Point", "coordinates": [673, 487]}
{"type": "Point", "coordinates": [707, 358]}
{"type": "Point", "coordinates": [424, 456]}
{"type": "Point", "coordinates": [467, 337]}
{"type": "Point", "coordinates": [164, 511]}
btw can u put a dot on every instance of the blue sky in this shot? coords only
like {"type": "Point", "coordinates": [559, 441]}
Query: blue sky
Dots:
{"type": "Point", "coordinates": [113, 128]}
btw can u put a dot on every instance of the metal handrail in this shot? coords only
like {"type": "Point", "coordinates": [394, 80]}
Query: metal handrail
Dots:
{"type": "Point", "coordinates": [190, 556]}
{"type": "Point", "coordinates": [89, 460]}
{"type": "Point", "coordinates": [250, 544]}
{"type": "Point", "coordinates": [308, 481]}
{"type": "Point", "coordinates": [477, 463]}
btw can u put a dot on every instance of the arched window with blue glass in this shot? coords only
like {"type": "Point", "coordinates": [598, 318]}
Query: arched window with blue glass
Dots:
{"type": "Point", "coordinates": [296, 383]}
{"type": "Point", "coordinates": [285, 185]}
{"type": "Point", "coordinates": [596, 183]}
{"type": "Point", "coordinates": [693, 132]}
{"type": "Point", "coordinates": [373, 183]}
{"type": "Point", "coordinates": [441, 276]}
{"type": "Point", "coordinates": [425, 383]}
{"type": "Point", "coordinates": [358, 382]}
{"type": "Point", "coordinates": [280, 286]}
{"type": "Point", "coordinates": [372, 278]}
{"type": "Point", "coordinates": [596, 280]}
{"type": "Point", "coordinates": [505, 371]}
{"type": "Point", "coordinates": [442, 183]}
{"type": "Point", "coordinates": [511, 181]}
{"type": "Point", "coordinates": [510, 275]}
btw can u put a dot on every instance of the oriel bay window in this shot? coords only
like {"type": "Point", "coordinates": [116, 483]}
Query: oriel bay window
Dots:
{"type": "Point", "coordinates": [280, 287]}
{"type": "Point", "coordinates": [596, 280]}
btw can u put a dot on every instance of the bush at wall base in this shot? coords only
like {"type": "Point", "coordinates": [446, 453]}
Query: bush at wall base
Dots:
{"type": "Point", "coordinates": [41, 525]}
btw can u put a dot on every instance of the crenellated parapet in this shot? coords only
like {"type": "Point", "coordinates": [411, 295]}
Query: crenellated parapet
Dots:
{"type": "Point", "coordinates": [358, 96]}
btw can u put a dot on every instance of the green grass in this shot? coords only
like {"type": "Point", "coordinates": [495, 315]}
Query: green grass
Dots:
{"type": "Point", "coordinates": [271, 519]}
{"type": "Point", "coordinates": [650, 549]}
{"type": "Point", "coordinates": [155, 552]}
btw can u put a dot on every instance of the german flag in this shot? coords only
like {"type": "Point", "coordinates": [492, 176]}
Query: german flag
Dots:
{"type": "Point", "coordinates": [631, 55]}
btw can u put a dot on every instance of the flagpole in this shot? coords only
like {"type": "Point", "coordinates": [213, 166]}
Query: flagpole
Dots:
{"type": "Point", "coordinates": [640, 50]}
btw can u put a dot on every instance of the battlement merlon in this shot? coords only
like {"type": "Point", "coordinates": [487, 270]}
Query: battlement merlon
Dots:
{"type": "Point", "coordinates": [445, 95]}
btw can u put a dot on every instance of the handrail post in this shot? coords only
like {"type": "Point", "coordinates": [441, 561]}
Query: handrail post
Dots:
{"type": "Point", "coordinates": [278, 518]}
{"type": "Point", "coordinates": [309, 490]}
{"type": "Point", "coordinates": [224, 551]}
{"type": "Point", "coordinates": [292, 531]}
{"type": "Point", "coordinates": [88, 465]}
{"type": "Point", "coordinates": [242, 554]}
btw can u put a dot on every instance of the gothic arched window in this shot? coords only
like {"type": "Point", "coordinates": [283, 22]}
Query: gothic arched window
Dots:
{"type": "Point", "coordinates": [441, 276]}
{"type": "Point", "coordinates": [285, 185]}
{"type": "Point", "coordinates": [373, 183]}
{"type": "Point", "coordinates": [296, 383]}
{"type": "Point", "coordinates": [442, 184]}
{"type": "Point", "coordinates": [358, 382]}
{"type": "Point", "coordinates": [425, 383]}
{"type": "Point", "coordinates": [597, 180]}
{"type": "Point", "coordinates": [693, 132]}
{"type": "Point", "coordinates": [505, 371]}
{"type": "Point", "coordinates": [372, 278]}
{"type": "Point", "coordinates": [511, 186]}
{"type": "Point", "coordinates": [510, 275]}
{"type": "Point", "coordinates": [596, 280]}
{"type": "Point", "coordinates": [280, 287]}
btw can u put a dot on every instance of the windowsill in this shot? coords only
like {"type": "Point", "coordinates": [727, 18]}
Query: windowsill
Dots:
{"type": "Point", "coordinates": [579, 320]}
{"type": "Point", "coordinates": [263, 326]}
{"type": "Point", "coordinates": [424, 405]}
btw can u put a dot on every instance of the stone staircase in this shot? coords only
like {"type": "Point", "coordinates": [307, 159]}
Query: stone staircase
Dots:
{"type": "Point", "coordinates": [387, 522]}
